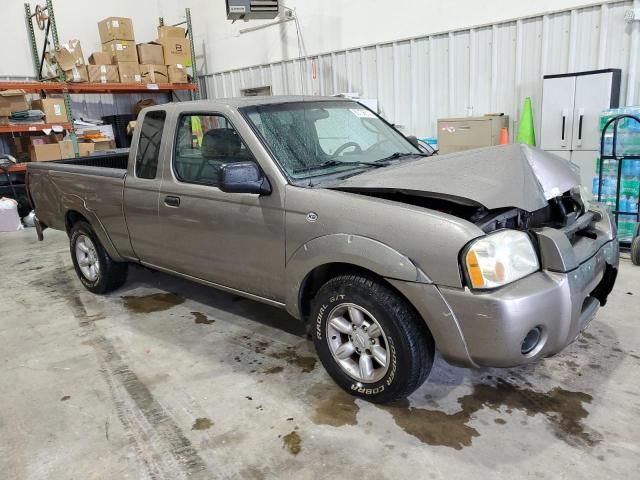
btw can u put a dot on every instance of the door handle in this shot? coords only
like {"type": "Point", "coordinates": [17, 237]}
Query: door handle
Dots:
{"type": "Point", "coordinates": [172, 201]}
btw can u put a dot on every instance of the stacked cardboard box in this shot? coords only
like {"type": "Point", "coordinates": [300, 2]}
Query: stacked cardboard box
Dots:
{"type": "Point", "coordinates": [53, 108]}
{"type": "Point", "coordinates": [101, 69]}
{"type": "Point", "coordinates": [177, 52]}
{"type": "Point", "coordinates": [70, 59]}
{"type": "Point", "coordinates": [119, 44]}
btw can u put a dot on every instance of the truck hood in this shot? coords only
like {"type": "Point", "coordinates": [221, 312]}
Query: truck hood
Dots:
{"type": "Point", "coordinates": [495, 177]}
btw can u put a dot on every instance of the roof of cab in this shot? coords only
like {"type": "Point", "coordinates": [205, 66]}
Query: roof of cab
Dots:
{"type": "Point", "coordinates": [238, 102]}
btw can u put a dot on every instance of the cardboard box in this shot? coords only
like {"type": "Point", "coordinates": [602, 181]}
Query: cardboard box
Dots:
{"type": "Point", "coordinates": [53, 108]}
{"type": "Point", "coordinates": [100, 58]}
{"type": "Point", "coordinates": [121, 51]}
{"type": "Point", "coordinates": [129, 72]}
{"type": "Point", "coordinates": [150, 54]}
{"type": "Point", "coordinates": [76, 75]}
{"type": "Point", "coordinates": [49, 67]}
{"type": "Point", "coordinates": [12, 101]}
{"type": "Point", "coordinates": [66, 149]}
{"type": "Point", "coordinates": [458, 134]}
{"type": "Point", "coordinates": [177, 51]}
{"type": "Point", "coordinates": [115, 28]}
{"type": "Point", "coordinates": [171, 32]}
{"type": "Point", "coordinates": [103, 73]}
{"type": "Point", "coordinates": [177, 74]}
{"type": "Point", "coordinates": [86, 148]}
{"type": "Point", "coordinates": [69, 55]}
{"type": "Point", "coordinates": [49, 147]}
{"type": "Point", "coordinates": [103, 144]}
{"type": "Point", "coordinates": [154, 74]}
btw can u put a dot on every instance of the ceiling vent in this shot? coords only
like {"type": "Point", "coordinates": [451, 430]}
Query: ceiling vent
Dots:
{"type": "Point", "coordinates": [252, 9]}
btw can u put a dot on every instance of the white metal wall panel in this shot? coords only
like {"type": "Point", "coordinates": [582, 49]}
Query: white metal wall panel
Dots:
{"type": "Point", "coordinates": [484, 69]}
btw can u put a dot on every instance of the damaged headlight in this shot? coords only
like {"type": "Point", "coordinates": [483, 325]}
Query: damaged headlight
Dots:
{"type": "Point", "coordinates": [500, 258]}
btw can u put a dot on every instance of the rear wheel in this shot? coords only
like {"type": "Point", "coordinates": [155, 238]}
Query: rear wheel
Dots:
{"type": "Point", "coordinates": [635, 250]}
{"type": "Point", "coordinates": [369, 339]}
{"type": "Point", "coordinates": [95, 268]}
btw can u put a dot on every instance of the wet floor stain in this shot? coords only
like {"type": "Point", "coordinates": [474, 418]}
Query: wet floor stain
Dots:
{"type": "Point", "coordinates": [434, 427]}
{"type": "Point", "coordinates": [201, 424]}
{"type": "Point", "coordinates": [333, 407]}
{"type": "Point", "coordinates": [272, 370]}
{"type": "Point", "coordinates": [307, 364]}
{"type": "Point", "coordinates": [292, 442]}
{"type": "Point", "coordinates": [563, 409]}
{"type": "Point", "coordinates": [65, 398]}
{"type": "Point", "coordinates": [201, 318]}
{"type": "Point", "coordinates": [155, 302]}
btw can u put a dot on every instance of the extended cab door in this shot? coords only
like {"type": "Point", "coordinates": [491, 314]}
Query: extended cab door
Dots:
{"type": "Point", "coordinates": [233, 240]}
{"type": "Point", "coordinates": [142, 186]}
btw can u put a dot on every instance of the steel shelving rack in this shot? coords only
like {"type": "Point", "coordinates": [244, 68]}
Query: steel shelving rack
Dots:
{"type": "Point", "coordinates": [44, 19]}
{"type": "Point", "coordinates": [619, 159]}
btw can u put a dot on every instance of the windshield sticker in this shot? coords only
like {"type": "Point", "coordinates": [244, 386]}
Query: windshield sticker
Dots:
{"type": "Point", "coordinates": [362, 113]}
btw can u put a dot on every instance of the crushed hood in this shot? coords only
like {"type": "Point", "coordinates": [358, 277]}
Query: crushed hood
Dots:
{"type": "Point", "coordinates": [504, 176]}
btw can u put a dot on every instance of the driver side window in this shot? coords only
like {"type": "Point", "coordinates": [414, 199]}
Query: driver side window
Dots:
{"type": "Point", "coordinates": [204, 143]}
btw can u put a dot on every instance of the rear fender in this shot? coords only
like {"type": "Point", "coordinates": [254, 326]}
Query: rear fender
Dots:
{"type": "Point", "coordinates": [74, 203]}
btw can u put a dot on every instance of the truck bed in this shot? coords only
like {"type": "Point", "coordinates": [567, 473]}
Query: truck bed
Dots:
{"type": "Point", "coordinates": [91, 186]}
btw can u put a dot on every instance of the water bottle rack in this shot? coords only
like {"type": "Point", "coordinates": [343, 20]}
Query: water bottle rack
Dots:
{"type": "Point", "coordinates": [619, 159]}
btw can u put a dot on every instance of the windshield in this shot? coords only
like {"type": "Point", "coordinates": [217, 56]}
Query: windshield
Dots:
{"type": "Point", "coordinates": [310, 139]}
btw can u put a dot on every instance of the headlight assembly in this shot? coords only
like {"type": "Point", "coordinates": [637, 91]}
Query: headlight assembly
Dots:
{"type": "Point", "coordinates": [500, 258]}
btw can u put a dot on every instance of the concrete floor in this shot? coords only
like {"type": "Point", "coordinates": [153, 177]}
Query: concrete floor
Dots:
{"type": "Point", "coordinates": [166, 379]}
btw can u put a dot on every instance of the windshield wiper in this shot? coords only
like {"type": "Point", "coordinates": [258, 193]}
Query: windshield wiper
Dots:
{"type": "Point", "coordinates": [396, 155]}
{"type": "Point", "coordinates": [335, 163]}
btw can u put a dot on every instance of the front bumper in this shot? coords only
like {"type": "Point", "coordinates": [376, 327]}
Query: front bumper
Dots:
{"type": "Point", "coordinates": [561, 305]}
{"type": "Point", "coordinates": [487, 328]}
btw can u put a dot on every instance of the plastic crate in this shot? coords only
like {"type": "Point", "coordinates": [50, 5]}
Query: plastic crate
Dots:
{"type": "Point", "coordinates": [119, 123]}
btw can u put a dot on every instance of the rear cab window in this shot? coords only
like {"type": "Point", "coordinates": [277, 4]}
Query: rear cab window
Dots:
{"type": "Point", "coordinates": [149, 144]}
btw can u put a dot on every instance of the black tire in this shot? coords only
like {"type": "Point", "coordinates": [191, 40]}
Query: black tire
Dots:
{"type": "Point", "coordinates": [635, 250]}
{"type": "Point", "coordinates": [111, 276]}
{"type": "Point", "coordinates": [409, 345]}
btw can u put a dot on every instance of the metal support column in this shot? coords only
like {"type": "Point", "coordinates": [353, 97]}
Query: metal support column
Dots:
{"type": "Point", "coordinates": [32, 39]}
{"type": "Point", "coordinates": [195, 95]}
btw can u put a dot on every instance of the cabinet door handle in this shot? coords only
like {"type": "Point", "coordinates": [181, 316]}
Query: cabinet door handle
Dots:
{"type": "Point", "coordinates": [580, 126]}
{"type": "Point", "coordinates": [171, 201]}
{"type": "Point", "coordinates": [564, 124]}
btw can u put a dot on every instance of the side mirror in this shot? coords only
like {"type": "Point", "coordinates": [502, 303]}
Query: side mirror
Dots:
{"type": "Point", "coordinates": [243, 177]}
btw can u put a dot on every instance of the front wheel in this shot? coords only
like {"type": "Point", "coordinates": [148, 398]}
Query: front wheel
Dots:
{"type": "Point", "coordinates": [95, 268]}
{"type": "Point", "coordinates": [370, 339]}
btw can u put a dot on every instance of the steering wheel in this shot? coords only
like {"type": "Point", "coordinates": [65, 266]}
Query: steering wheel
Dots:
{"type": "Point", "coordinates": [344, 146]}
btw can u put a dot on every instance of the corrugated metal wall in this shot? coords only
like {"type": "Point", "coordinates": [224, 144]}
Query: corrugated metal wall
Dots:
{"type": "Point", "coordinates": [480, 70]}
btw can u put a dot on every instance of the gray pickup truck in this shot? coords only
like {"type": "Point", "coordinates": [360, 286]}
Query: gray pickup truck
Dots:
{"type": "Point", "coordinates": [319, 206]}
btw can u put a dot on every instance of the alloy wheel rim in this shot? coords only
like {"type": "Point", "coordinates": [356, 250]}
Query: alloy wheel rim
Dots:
{"type": "Point", "coordinates": [87, 258]}
{"type": "Point", "coordinates": [358, 343]}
